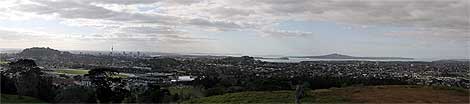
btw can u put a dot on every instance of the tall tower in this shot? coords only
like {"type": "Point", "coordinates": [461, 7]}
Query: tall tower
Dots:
{"type": "Point", "coordinates": [112, 50]}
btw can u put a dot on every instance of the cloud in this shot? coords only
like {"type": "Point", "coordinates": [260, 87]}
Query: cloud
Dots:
{"type": "Point", "coordinates": [124, 1]}
{"type": "Point", "coordinates": [25, 38]}
{"type": "Point", "coordinates": [433, 34]}
{"type": "Point", "coordinates": [217, 24]}
{"type": "Point", "coordinates": [11, 35]}
{"type": "Point", "coordinates": [150, 30]}
{"type": "Point", "coordinates": [405, 12]}
{"type": "Point", "coordinates": [24, 35]}
{"type": "Point", "coordinates": [285, 33]}
{"type": "Point", "coordinates": [427, 15]}
{"type": "Point", "coordinates": [157, 20]}
{"type": "Point", "coordinates": [83, 10]}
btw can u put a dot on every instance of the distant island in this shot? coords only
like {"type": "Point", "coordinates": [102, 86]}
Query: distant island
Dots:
{"type": "Point", "coordinates": [452, 60]}
{"type": "Point", "coordinates": [340, 56]}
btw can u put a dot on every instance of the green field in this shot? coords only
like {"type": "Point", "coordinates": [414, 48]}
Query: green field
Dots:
{"type": "Point", "coordinates": [82, 72]}
{"type": "Point", "coordinates": [369, 94]}
{"type": "Point", "coordinates": [72, 71]}
{"type": "Point", "coordinates": [6, 98]}
{"type": "Point", "coordinates": [3, 62]}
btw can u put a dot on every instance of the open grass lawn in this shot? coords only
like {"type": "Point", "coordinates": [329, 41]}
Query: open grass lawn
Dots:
{"type": "Point", "coordinates": [368, 94]}
{"type": "Point", "coordinates": [83, 72]}
{"type": "Point", "coordinates": [6, 98]}
{"type": "Point", "coordinates": [3, 62]}
{"type": "Point", "coordinates": [72, 71]}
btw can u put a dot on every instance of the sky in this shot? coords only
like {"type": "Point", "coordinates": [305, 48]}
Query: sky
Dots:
{"type": "Point", "coordinates": [404, 28]}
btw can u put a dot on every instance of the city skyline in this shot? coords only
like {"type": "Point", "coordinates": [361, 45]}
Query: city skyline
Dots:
{"type": "Point", "coordinates": [404, 28]}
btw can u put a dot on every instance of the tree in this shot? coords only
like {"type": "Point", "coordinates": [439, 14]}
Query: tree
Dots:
{"type": "Point", "coordinates": [8, 85]}
{"type": "Point", "coordinates": [76, 94]}
{"type": "Point", "coordinates": [299, 93]}
{"type": "Point", "coordinates": [154, 94]}
{"type": "Point", "coordinates": [29, 80]}
{"type": "Point", "coordinates": [109, 88]}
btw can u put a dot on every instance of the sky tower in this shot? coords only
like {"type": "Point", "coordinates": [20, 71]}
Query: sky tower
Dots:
{"type": "Point", "coordinates": [112, 49]}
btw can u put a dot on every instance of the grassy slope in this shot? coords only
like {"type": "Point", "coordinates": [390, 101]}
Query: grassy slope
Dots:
{"type": "Point", "coordinates": [6, 98]}
{"type": "Point", "coordinates": [370, 94]}
{"type": "Point", "coordinates": [249, 97]}
{"type": "Point", "coordinates": [187, 92]}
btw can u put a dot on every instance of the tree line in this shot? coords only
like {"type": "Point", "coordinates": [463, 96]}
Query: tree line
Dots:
{"type": "Point", "coordinates": [25, 78]}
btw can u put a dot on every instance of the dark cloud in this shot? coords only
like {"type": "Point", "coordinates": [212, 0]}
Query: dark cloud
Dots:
{"type": "Point", "coordinates": [79, 10]}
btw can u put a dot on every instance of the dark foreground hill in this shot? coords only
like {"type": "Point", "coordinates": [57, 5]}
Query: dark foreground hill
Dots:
{"type": "Point", "coordinates": [369, 94]}
{"type": "Point", "coordinates": [7, 98]}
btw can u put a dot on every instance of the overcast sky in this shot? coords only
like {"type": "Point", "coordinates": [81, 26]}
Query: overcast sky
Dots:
{"type": "Point", "coordinates": [407, 28]}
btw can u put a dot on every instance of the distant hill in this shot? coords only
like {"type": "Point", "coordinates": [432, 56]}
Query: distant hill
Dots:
{"type": "Point", "coordinates": [360, 94]}
{"type": "Point", "coordinates": [41, 52]}
{"type": "Point", "coordinates": [47, 57]}
{"type": "Point", "coordinates": [452, 60]}
{"type": "Point", "coordinates": [340, 56]}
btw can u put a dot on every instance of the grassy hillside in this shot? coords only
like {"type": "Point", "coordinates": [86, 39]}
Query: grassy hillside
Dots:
{"type": "Point", "coordinates": [6, 98]}
{"type": "Point", "coordinates": [370, 94]}
{"type": "Point", "coordinates": [187, 92]}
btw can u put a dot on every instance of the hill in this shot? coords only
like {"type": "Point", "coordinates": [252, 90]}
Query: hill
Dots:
{"type": "Point", "coordinates": [42, 52]}
{"type": "Point", "coordinates": [452, 61]}
{"type": "Point", "coordinates": [340, 56]}
{"type": "Point", "coordinates": [369, 94]}
{"type": "Point", "coordinates": [6, 98]}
